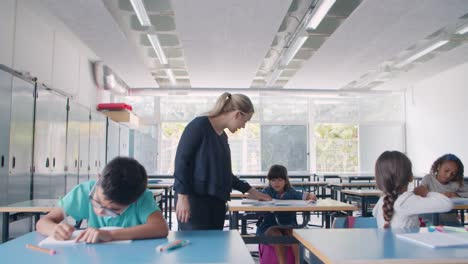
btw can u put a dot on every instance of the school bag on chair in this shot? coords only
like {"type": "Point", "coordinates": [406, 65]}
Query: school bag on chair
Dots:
{"type": "Point", "coordinates": [267, 254]}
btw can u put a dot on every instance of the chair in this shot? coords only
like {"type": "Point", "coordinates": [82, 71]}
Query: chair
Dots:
{"type": "Point", "coordinates": [354, 222]}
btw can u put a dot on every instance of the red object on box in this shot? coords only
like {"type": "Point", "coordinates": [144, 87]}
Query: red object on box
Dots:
{"type": "Point", "coordinates": [114, 106]}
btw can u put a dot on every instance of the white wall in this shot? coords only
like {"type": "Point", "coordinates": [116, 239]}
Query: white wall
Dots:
{"type": "Point", "coordinates": [377, 138]}
{"type": "Point", "coordinates": [437, 121]}
{"type": "Point", "coordinates": [34, 41]}
{"type": "Point", "coordinates": [7, 25]}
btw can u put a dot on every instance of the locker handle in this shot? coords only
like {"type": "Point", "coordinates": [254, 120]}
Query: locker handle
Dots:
{"type": "Point", "coordinates": [76, 163]}
{"type": "Point", "coordinates": [53, 162]}
{"type": "Point", "coordinates": [47, 163]}
{"type": "Point", "coordinates": [13, 162]}
{"type": "Point", "coordinates": [95, 164]}
{"type": "Point", "coordinates": [3, 161]}
{"type": "Point", "coordinates": [81, 163]}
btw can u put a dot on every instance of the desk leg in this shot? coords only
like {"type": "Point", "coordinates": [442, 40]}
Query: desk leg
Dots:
{"type": "Point", "coordinates": [327, 216]}
{"type": "Point", "coordinates": [5, 226]}
{"type": "Point", "coordinates": [244, 225]}
{"type": "Point", "coordinates": [363, 206]}
{"type": "Point", "coordinates": [435, 219]}
{"type": "Point", "coordinates": [234, 220]}
{"type": "Point", "coordinates": [170, 208]}
{"type": "Point", "coordinates": [166, 194]}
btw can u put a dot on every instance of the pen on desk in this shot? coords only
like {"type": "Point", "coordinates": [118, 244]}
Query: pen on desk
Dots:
{"type": "Point", "coordinates": [41, 249]}
{"type": "Point", "coordinates": [173, 245]}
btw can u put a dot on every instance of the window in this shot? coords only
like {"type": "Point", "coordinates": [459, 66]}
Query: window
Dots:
{"type": "Point", "coordinates": [170, 135]}
{"type": "Point", "coordinates": [285, 145]}
{"type": "Point", "coordinates": [245, 149]}
{"type": "Point", "coordinates": [336, 148]}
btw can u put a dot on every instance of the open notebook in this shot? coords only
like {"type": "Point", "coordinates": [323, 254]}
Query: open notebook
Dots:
{"type": "Point", "coordinates": [276, 202]}
{"type": "Point", "coordinates": [50, 241]}
{"type": "Point", "coordinates": [437, 239]}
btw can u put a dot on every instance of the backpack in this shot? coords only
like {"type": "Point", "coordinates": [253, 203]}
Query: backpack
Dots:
{"type": "Point", "coordinates": [267, 254]}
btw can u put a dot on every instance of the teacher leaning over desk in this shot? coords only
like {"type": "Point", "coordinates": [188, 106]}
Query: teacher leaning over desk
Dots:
{"type": "Point", "coordinates": [202, 173]}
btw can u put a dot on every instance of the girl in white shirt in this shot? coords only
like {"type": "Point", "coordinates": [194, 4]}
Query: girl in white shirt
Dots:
{"type": "Point", "coordinates": [398, 207]}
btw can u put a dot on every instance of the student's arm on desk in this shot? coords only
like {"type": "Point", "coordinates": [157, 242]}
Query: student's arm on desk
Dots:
{"type": "Point", "coordinates": [414, 204]}
{"type": "Point", "coordinates": [154, 227]}
{"type": "Point", "coordinates": [50, 225]}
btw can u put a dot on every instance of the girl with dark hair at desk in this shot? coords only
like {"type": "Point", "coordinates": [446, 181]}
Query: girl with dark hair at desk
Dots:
{"type": "Point", "coordinates": [446, 177]}
{"type": "Point", "coordinates": [203, 174]}
{"type": "Point", "coordinates": [273, 224]}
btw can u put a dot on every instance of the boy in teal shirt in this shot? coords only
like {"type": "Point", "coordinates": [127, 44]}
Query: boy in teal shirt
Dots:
{"type": "Point", "coordinates": [118, 198]}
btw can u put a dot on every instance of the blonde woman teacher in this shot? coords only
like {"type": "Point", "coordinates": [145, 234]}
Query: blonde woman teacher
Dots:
{"type": "Point", "coordinates": [203, 174]}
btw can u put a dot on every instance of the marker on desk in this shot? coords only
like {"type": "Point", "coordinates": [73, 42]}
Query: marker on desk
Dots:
{"type": "Point", "coordinates": [173, 245]}
{"type": "Point", "coordinates": [41, 249]}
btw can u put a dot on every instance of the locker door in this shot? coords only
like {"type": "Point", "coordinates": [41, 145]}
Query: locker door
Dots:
{"type": "Point", "coordinates": [42, 146]}
{"type": "Point", "coordinates": [58, 124]}
{"type": "Point", "coordinates": [113, 131]}
{"type": "Point", "coordinates": [84, 159]}
{"type": "Point", "coordinates": [21, 141]}
{"type": "Point", "coordinates": [5, 106]}
{"type": "Point", "coordinates": [123, 141]}
{"type": "Point", "coordinates": [73, 146]}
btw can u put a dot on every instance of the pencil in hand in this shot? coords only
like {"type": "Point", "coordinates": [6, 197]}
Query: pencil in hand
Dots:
{"type": "Point", "coordinates": [41, 249]}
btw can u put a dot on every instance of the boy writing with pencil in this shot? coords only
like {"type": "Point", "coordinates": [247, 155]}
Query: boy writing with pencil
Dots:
{"type": "Point", "coordinates": [118, 198]}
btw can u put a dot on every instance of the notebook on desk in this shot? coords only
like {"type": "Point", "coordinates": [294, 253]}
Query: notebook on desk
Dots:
{"type": "Point", "coordinates": [436, 239]}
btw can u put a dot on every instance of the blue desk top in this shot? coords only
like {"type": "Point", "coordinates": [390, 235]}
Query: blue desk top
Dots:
{"type": "Point", "coordinates": [372, 245]}
{"type": "Point", "coordinates": [204, 247]}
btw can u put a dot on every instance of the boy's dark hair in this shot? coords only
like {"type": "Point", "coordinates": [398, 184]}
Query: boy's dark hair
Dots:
{"type": "Point", "coordinates": [393, 173]}
{"type": "Point", "coordinates": [123, 180]}
{"type": "Point", "coordinates": [449, 157]}
{"type": "Point", "coordinates": [279, 172]}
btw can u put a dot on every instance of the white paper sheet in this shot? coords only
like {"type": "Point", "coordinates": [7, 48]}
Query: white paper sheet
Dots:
{"type": "Point", "coordinates": [50, 241]}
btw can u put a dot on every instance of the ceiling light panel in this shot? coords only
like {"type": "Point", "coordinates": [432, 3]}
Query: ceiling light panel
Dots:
{"type": "Point", "coordinates": [140, 12]}
{"type": "Point", "coordinates": [226, 48]}
{"type": "Point", "coordinates": [319, 12]}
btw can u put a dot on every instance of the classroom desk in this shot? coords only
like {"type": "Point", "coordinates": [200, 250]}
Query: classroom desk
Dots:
{"type": "Point", "coordinates": [263, 176]}
{"type": "Point", "coordinates": [166, 185]}
{"type": "Point", "coordinates": [364, 197]}
{"type": "Point", "coordinates": [372, 245]}
{"type": "Point", "coordinates": [15, 211]}
{"type": "Point", "coordinates": [325, 206]}
{"type": "Point", "coordinates": [204, 247]}
{"type": "Point", "coordinates": [325, 177]}
{"type": "Point", "coordinates": [335, 187]}
{"type": "Point", "coordinates": [456, 208]}
{"type": "Point", "coordinates": [357, 177]}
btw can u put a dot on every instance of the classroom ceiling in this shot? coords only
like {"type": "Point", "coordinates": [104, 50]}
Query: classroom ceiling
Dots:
{"type": "Point", "coordinates": [359, 45]}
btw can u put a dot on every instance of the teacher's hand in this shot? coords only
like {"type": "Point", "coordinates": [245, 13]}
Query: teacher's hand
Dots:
{"type": "Point", "coordinates": [183, 208]}
{"type": "Point", "coordinates": [258, 195]}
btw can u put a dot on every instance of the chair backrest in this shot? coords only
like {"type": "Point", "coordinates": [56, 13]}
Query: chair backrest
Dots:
{"type": "Point", "coordinates": [354, 222]}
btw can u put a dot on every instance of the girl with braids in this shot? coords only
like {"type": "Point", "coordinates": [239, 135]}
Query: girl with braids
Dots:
{"type": "Point", "coordinates": [446, 177]}
{"type": "Point", "coordinates": [202, 173]}
{"type": "Point", "coordinates": [398, 207]}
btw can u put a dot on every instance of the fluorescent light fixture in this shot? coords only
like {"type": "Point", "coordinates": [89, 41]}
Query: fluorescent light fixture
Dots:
{"type": "Point", "coordinates": [421, 53]}
{"type": "Point", "coordinates": [153, 39]}
{"type": "Point", "coordinates": [293, 49]}
{"type": "Point", "coordinates": [273, 77]}
{"type": "Point", "coordinates": [140, 11]}
{"type": "Point", "coordinates": [319, 12]}
{"type": "Point", "coordinates": [171, 76]}
{"type": "Point", "coordinates": [462, 30]}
